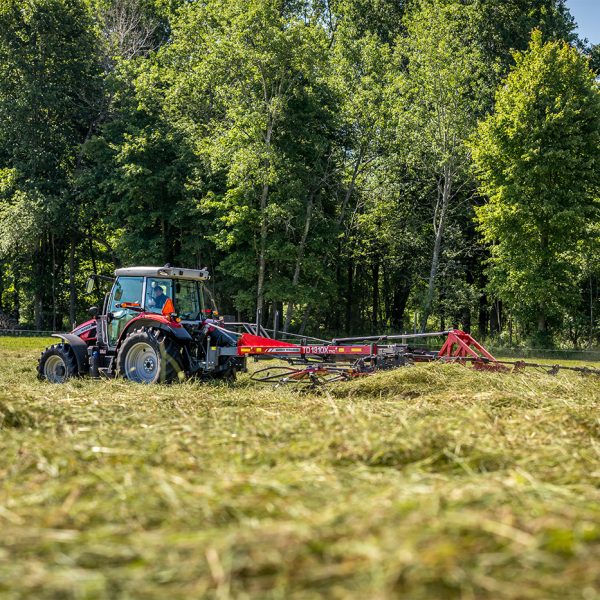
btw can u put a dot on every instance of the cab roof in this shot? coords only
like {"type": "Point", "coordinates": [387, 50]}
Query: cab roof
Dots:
{"type": "Point", "coordinates": [166, 271]}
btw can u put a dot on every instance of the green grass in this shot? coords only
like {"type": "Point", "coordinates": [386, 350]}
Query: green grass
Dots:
{"type": "Point", "coordinates": [428, 482]}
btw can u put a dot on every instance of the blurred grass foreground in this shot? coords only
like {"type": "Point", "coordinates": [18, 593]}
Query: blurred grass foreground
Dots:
{"type": "Point", "coordinates": [427, 482]}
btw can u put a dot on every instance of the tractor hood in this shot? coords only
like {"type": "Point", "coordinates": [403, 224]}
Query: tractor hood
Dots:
{"type": "Point", "coordinates": [86, 331]}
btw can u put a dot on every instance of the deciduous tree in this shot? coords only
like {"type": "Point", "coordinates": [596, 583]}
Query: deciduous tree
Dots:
{"type": "Point", "coordinates": [538, 160]}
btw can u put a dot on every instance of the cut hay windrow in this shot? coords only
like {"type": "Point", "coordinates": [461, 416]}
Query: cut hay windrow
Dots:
{"type": "Point", "coordinates": [437, 481]}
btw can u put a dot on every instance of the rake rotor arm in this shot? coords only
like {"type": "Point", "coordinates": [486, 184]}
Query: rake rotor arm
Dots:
{"type": "Point", "coordinates": [378, 338]}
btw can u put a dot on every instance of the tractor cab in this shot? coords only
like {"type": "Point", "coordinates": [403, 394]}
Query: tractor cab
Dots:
{"type": "Point", "coordinates": [179, 294]}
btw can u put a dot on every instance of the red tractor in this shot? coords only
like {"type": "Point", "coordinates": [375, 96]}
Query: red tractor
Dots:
{"type": "Point", "coordinates": [157, 324]}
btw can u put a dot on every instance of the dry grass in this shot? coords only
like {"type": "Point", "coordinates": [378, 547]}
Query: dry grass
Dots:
{"type": "Point", "coordinates": [428, 482]}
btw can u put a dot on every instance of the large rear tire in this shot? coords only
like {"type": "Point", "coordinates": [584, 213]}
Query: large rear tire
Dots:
{"type": "Point", "coordinates": [149, 356]}
{"type": "Point", "coordinates": [57, 364]}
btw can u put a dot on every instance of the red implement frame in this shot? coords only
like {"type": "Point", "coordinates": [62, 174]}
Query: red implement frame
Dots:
{"type": "Point", "coordinates": [460, 346]}
{"type": "Point", "coordinates": [249, 344]}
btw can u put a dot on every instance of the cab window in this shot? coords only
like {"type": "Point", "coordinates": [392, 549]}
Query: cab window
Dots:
{"type": "Point", "coordinates": [209, 301]}
{"type": "Point", "coordinates": [158, 291]}
{"type": "Point", "coordinates": [187, 300]}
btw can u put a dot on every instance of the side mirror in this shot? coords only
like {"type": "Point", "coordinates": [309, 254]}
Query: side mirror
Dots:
{"type": "Point", "coordinates": [90, 284]}
{"type": "Point", "coordinates": [93, 311]}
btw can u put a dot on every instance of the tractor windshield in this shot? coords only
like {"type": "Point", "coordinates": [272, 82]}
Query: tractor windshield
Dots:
{"type": "Point", "coordinates": [126, 295]}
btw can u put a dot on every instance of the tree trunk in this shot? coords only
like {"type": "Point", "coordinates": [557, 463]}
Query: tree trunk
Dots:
{"type": "Point", "coordinates": [483, 317]}
{"type": "Point", "coordinates": [336, 317]}
{"type": "Point", "coordinates": [399, 301]}
{"type": "Point", "coordinates": [466, 310]}
{"type": "Point", "coordinates": [442, 309]}
{"type": "Point", "coordinates": [305, 319]}
{"type": "Point", "coordinates": [92, 254]}
{"type": "Point", "coordinates": [53, 271]}
{"type": "Point", "coordinates": [299, 257]}
{"type": "Point", "coordinates": [276, 315]}
{"type": "Point", "coordinates": [38, 302]}
{"type": "Point", "coordinates": [350, 189]}
{"type": "Point", "coordinates": [495, 318]}
{"type": "Point", "coordinates": [1, 285]}
{"type": "Point", "coordinates": [386, 309]}
{"type": "Point", "coordinates": [264, 196]}
{"type": "Point", "coordinates": [72, 290]}
{"type": "Point", "coordinates": [17, 293]}
{"type": "Point", "coordinates": [591, 312]}
{"type": "Point", "coordinates": [439, 234]}
{"type": "Point", "coordinates": [375, 278]}
{"type": "Point", "coordinates": [466, 319]}
{"type": "Point", "coordinates": [350, 297]}
{"type": "Point", "coordinates": [542, 325]}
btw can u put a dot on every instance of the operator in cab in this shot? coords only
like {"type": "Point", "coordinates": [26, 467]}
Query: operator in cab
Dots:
{"type": "Point", "coordinates": [158, 297]}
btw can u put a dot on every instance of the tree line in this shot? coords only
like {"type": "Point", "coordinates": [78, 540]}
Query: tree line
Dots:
{"type": "Point", "coordinates": [352, 166]}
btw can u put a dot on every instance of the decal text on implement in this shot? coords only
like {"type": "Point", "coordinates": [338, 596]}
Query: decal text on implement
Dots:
{"type": "Point", "coordinates": [319, 350]}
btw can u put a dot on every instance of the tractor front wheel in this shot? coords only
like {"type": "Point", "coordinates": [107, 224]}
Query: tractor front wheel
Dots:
{"type": "Point", "coordinates": [57, 364]}
{"type": "Point", "coordinates": [149, 356]}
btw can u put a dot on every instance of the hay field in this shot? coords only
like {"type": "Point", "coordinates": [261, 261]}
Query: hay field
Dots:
{"type": "Point", "coordinates": [428, 482]}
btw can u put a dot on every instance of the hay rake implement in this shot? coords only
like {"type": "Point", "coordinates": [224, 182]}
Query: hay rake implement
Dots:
{"type": "Point", "coordinates": [344, 359]}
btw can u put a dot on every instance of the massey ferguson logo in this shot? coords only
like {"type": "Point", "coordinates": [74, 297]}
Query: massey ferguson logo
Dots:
{"type": "Point", "coordinates": [281, 350]}
{"type": "Point", "coordinates": [84, 328]}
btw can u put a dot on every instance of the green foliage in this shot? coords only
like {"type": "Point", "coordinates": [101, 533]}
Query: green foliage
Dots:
{"type": "Point", "coordinates": [49, 78]}
{"type": "Point", "coordinates": [443, 84]}
{"type": "Point", "coordinates": [379, 18]}
{"type": "Point", "coordinates": [505, 25]}
{"type": "Point", "coordinates": [537, 159]}
{"type": "Point", "coordinates": [441, 91]}
{"type": "Point", "coordinates": [263, 134]}
{"type": "Point", "coordinates": [50, 89]}
{"type": "Point", "coordinates": [140, 175]}
{"type": "Point", "coordinates": [310, 153]}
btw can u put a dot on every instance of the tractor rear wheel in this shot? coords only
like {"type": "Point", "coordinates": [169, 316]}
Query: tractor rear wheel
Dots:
{"type": "Point", "coordinates": [57, 364]}
{"type": "Point", "coordinates": [149, 356]}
